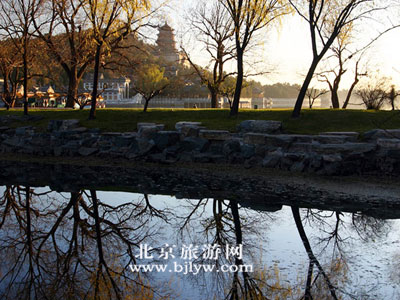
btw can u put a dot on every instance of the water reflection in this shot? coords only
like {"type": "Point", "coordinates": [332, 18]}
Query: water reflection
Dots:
{"type": "Point", "coordinates": [83, 244]}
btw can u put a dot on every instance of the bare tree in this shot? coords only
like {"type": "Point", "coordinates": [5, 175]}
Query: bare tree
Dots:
{"type": "Point", "coordinates": [110, 22]}
{"type": "Point", "coordinates": [214, 30]}
{"type": "Point", "coordinates": [326, 20]}
{"type": "Point", "coordinates": [248, 17]}
{"type": "Point", "coordinates": [313, 94]}
{"type": "Point", "coordinates": [374, 93]}
{"type": "Point", "coordinates": [16, 23]}
{"type": "Point", "coordinates": [66, 24]}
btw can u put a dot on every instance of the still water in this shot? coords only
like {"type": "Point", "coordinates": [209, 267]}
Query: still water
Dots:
{"type": "Point", "coordinates": [93, 244]}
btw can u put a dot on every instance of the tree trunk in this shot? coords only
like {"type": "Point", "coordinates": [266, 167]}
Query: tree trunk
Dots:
{"type": "Point", "coordinates": [92, 114]}
{"type": "Point", "coordinates": [146, 104]}
{"type": "Point", "coordinates": [303, 90]}
{"type": "Point", "coordinates": [25, 59]}
{"type": "Point", "coordinates": [239, 83]}
{"type": "Point", "coordinates": [72, 94]}
{"type": "Point", "coordinates": [346, 102]}
{"type": "Point", "coordinates": [214, 98]}
{"type": "Point", "coordinates": [334, 94]}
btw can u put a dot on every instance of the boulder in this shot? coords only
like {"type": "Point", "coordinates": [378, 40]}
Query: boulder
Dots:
{"type": "Point", "coordinates": [381, 133]}
{"type": "Point", "coordinates": [334, 139]}
{"type": "Point", "coordinates": [216, 135]}
{"type": "Point", "coordinates": [260, 126]}
{"type": "Point", "coordinates": [195, 144]}
{"type": "Point", "coordinates": [164, 139]}
{"type": "Point", "coordinates": [62, 125]}
{"type": "Point", "coordinates": [230, 147]}
{"type": "Point", "coordinates": [182, 124]}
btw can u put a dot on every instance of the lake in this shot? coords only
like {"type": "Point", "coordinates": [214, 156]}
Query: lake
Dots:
{"type": "Point", "coordinates": [76, 240]}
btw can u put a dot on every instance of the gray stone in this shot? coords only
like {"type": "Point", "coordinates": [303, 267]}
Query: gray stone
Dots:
{"type": "Point", "coordinates": [85, 151]}
{"type": "Point", "coordinates": [145, 146]}
{"type": "Point", "coordinates": [260, 126]}
{"type": "Point", "coordinates": [381, 133]}
{"type": "Point", "coordinates": [164, 139]}
{"type": "Point", "coordinates": [332, 158]}
{"type": "Point", "coordinates": [148, 132]}
{"type": "Point", "coordinates": [254, 138]}
{"type": "Point", "coordinates": [195, 143]}
{"type": "Point", "coordinates": [13, 142]}
{"type": "Point", "coordinates": [247, 150]}
{"type": "Point", "coordinates": [230, 147]}
{"type": "Point", "coordinates": [24, 130]}
{"type": "Point", "coordinates": [216, 135]}
{"type": "Point", "coordinates": [182, 124]}
{"type": "Point", "coordinates": [300, 147]}
{"type": "Point", "coordinates": [388, 143]}
{"type": "Point", "coordinates": [272, 159]}
{"type": "Point", "coordinates": [354, 135]}
{"type": "Point", "coordinates": [189, 130]}
{"type": "Point", "coordinates": [333, 139]}
{"type": "Point", "coordinates": [62, 125]}
{"type": "Point", "coordinates": [344, 148]}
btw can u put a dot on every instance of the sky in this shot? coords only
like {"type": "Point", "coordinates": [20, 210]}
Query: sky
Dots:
{"type": "Point", "coordinates": [286, 53]}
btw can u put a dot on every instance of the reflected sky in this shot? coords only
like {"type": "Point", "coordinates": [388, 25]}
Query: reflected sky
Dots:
{"type": "Point", "coordinates": [84, 244]}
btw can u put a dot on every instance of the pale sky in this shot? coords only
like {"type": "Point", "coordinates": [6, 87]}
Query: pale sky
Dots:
{"type": "Point", "coordinates": [287, 53]}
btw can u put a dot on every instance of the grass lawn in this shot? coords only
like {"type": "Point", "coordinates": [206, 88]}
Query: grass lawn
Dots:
{"type": "Point", "coordinates": [311, 121]}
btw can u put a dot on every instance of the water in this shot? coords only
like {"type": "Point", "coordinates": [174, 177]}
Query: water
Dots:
{"type": "Point", "coordinates": [87, 244]}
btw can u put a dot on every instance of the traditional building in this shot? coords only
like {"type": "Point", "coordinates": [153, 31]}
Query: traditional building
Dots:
{"type": "Point", "coordinates": [167, 52]}
{"type": "Point", "coordinates": [111, 89]}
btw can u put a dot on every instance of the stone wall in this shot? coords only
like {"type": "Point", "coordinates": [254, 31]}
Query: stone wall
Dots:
{"type": "Point", "coordinates": [257, 143]}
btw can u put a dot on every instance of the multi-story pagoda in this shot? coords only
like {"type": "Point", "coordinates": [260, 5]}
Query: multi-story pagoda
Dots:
{"type": "Point", "coordinates": [166, 50]}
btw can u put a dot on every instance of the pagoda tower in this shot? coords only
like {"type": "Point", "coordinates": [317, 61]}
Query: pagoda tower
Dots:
{"type": "Point", "coordinates": [166, 45]}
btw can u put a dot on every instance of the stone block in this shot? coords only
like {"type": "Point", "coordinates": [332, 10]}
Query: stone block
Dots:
{"type": "Point", "coordinates": [354, 135]}
{"type": "Point", "coordinates": [260, 126]}
{"type": "Point", "coordinates": [164, 139]}
{"type": "Point", "coordinates": [216, 135]}
{"type": "Point", "coordinates": [230, 146]}
{"type": "Point", "coordinates": [62, 125]}
{"type": "Point", "coordinates": [86, 151]}
{"type": "Point", "coordinates": [180, 125]}
{"type": "Point", "coordinates": [346, 148]}
{"type": "Point", "coordinates": [195, 144]}
{"type": "Point", "coordinates": [388, 143]}
{"type": "Point", "coordinates": [334, 139]}
{"type": "Point", "coordinates": [381, 133]}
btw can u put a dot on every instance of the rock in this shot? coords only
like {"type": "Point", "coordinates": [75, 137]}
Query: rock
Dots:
{"type": "Point", "coordinates": [381, 133]}
{"type": "Point", "coordinates": [331, 157]}
{"type": "Point", "coordinates": [189, 130]}
{"type": "Point", "coordinates": [388, 143]}
{"type": "Point", "coordinates": [354, 135]}
{"type": "Point", "coordinates": [164, 139]}
{"type": "Point", "coordinates": [260, 126]}
{"type": "Point", "coordinates": [148, 132]}
{"type": "Point", "coordinates": [344, 148]}
{"type": "Point", "coordinates": [300, 147]}
{"type": "Point", "coordinates": [195, 143]}
{"type": "Point", "coordinates": [143, 124]}
{"type": "Point", "coordinates": [254, 138]}
{"type": "Point", "coordinates": [62, 125]}
{"type": "Point", "coordinates": [247, 150]}
{"type": "Point", "coordinates": [334, 139]}
{"type": "Point", "coordinates": [272, 159]}
{"type": "Point", "coordinates": [216, 135]}
{"type": "Point", "coordinates": [24, 130]}
{"type": "Point", "coordinates": [85, 151]}
{"type": "Point", "coordinates": [145, 146]}
{"type": "Point", "coordinates": [230, 147]}
{"type": "Point", "coordinates": [12, 142]}
{"type": "Point", "coordinates": [180, 125]}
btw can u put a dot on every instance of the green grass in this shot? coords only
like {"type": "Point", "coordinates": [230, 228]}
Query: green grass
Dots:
{"type": "Point", "coordinates": [311, 121]}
